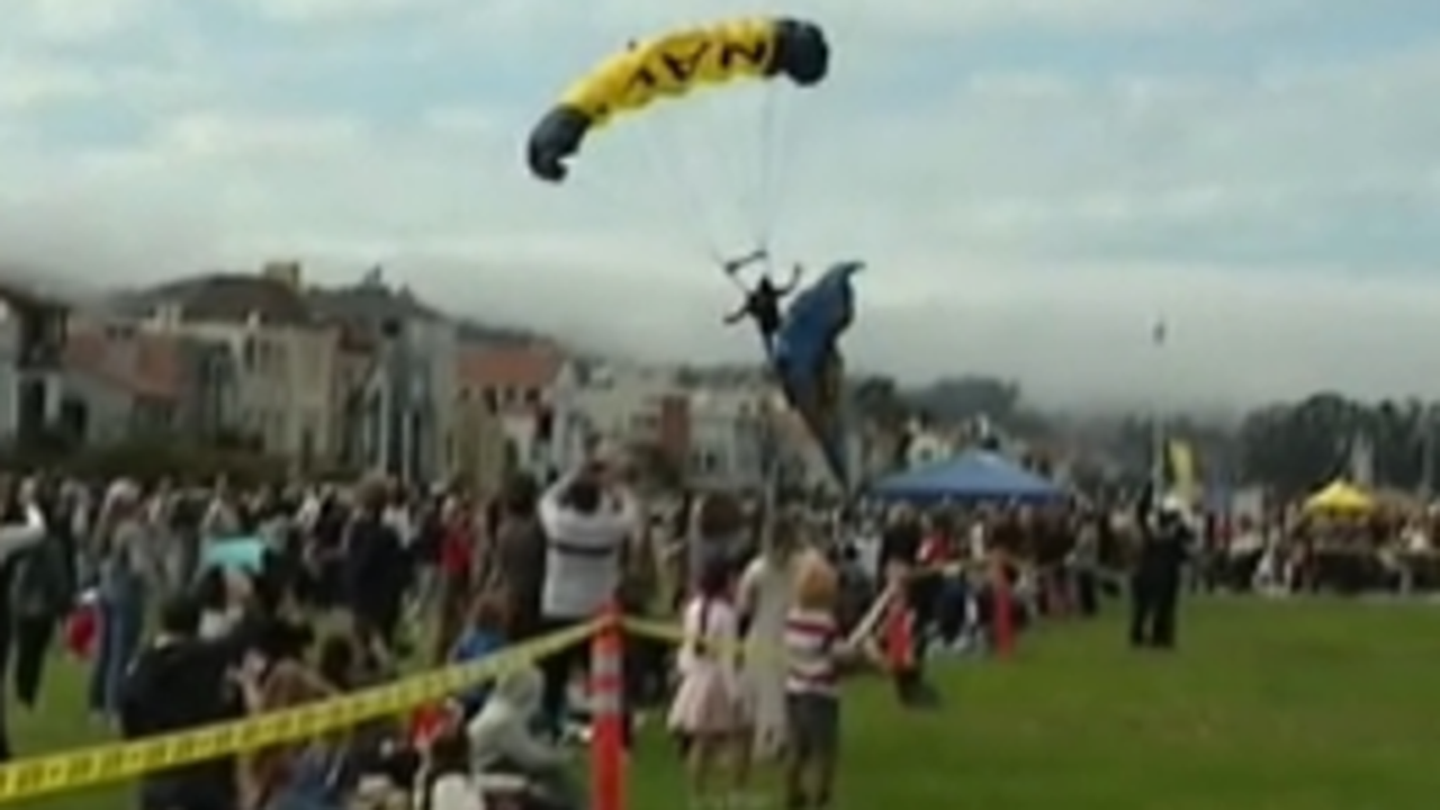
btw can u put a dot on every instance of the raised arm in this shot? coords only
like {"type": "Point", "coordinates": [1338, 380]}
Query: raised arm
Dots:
{"type": "Point", "coordinates": [796, 273]}
{"type": "Point", "coordinates": [19, 536]}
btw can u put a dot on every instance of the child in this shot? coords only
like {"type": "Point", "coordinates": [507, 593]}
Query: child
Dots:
{"type": "Point", "coordinates": [815, 652]}
{"type": "Point", "coordinates": [707, 708]}
{"type": "Point", "coordinates": [484, 634]}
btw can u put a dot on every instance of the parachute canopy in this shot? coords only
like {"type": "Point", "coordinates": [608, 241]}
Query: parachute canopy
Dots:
{"type": "Point", "coordinates": [672, 65]}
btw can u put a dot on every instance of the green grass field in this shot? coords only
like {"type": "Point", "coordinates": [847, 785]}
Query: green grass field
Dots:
{"type": "Point", "coordinates": [1281, 706]}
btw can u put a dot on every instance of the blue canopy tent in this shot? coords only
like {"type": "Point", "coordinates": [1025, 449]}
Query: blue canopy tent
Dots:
{"type": "Point", "coordinates": [973, 476]}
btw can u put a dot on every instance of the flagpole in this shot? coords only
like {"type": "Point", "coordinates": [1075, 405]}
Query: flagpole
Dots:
{"type": "Point", "coordinates": [1427, 450]}
{"type": "Point", "coordinates": [1159, 336]}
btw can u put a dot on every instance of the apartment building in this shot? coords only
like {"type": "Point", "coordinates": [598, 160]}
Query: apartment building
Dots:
{"type": "Point", "coordinates": [731, 436]}
{"type": "Point", "coordinates": [628, 405]}
{"type": "Point", "coordinates": [282, 359]}
{"type": "Point", "coordinates": [396, 391]}
{"type": "Point", "coordinates": [533, 390]}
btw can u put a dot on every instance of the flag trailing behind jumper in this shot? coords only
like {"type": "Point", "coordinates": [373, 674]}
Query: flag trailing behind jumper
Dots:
{"type": "Point", "coordinates": [1182, 478]}
{"type": "Point", "coordinates": [808, 363]}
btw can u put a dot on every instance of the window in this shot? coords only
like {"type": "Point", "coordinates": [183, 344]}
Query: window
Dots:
{"type": "Point", "coordinates": [274, 357]}
{"type": "Point", "coordinates": [704, 461]}
{"type": "Point", "coordinates": [645, 423]}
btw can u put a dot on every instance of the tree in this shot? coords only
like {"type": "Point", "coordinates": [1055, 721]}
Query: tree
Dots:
{"type": "Point", "coordinates": [958, 399]}
{"type": "Point", "coordinates": [877, 400]}
{"type": "Point", "coordinates": [1297, 446]}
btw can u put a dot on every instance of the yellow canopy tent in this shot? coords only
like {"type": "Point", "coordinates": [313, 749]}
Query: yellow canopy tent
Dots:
{"type": "Point", "coordinates": [1340, 497]}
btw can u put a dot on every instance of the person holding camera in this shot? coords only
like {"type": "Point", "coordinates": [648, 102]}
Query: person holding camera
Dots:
{"type": "Point", "coordinates": [587, 517]}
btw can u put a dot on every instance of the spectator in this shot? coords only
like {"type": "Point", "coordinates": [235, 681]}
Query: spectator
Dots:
{"type": "Point", "coordinates": [14, 540]}
{"type": "Point", "coordinates": [707, 712]}
{"type": "Point", "coordinates": [449, 783]}
{"type": "Point", "coordinates": [303, 776]}
{"type": "Point", "coordinates": [180, 682]}
{"type": "Point", "coordinates": [586, 523]}
{"type": "Point", "coordinates": [518, 568]}
{"type": "Point", "coordinates": [483, 635]}
{"type": "Point", "coordinates": [719, 535]}
{"type": "Point", "coordinates": [376, 567]}
{"type": "Point", "coordinates": [456, 527]}
{"type": "Point", "coordinates": [127, 577]}
{"type": "Point", "coordinates": [501, 741]}
{"type": "Point", "coordinates": [763, 598]}
{"type": "Point", "coordinates": [40, 593]}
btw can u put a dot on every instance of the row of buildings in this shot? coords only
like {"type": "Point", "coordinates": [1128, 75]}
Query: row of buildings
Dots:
{"type": "Point", "coordinates": [367, 377]}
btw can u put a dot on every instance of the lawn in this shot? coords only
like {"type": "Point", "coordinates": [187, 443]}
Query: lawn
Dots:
{"type": "Point", "coordinates": [1312, 705]}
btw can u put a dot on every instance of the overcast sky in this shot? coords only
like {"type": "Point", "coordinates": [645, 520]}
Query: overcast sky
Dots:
{"type": "Point", "coordinates": [1033, 182]}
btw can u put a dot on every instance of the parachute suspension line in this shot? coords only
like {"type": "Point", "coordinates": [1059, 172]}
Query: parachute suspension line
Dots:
{"type": "Point", "coordinates": [713, 214]}
{"type": "Point", "coordinates": [766, 183]}
{"type": "Point", "coordinates": [669, 166]}
{"type": "Point", "coordinates": [717, 160]}
{"type": "Point", "coordinates": [779, 175]}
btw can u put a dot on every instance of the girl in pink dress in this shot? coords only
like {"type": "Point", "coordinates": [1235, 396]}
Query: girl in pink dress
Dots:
{"type": "Point", "coordinates": [708, 713]}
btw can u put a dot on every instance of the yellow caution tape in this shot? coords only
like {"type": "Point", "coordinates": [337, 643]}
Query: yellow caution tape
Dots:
{"type": "Point", "coordinates": [659, 631]}
{"type": "Point", "coordinates": [675, 634]}
{"type": "Point", "coordinates": [115, 762]}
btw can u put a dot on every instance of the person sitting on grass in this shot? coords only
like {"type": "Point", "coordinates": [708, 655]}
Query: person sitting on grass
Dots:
{"type": "Point", "coordinates": [484, 635]}
{"type": "Point", "coordinates": [503, 742]}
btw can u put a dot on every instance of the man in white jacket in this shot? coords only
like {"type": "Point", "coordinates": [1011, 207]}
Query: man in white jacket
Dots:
{"type": "Point", "coordinates": [587, 518]}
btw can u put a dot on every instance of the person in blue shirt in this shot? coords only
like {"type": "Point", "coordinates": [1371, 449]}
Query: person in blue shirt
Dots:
{"type": "Point", "coordinates": [484, 634]}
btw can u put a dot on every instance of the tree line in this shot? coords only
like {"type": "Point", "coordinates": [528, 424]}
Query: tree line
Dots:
{"type": "Point", "coordinates": [1290, 447]}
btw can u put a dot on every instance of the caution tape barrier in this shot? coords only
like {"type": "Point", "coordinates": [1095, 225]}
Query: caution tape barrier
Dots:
{"type": "Point", "coordinates": [119, 761]}
{"type": "Point", "coordinates": [114, 762]}
{"type": "Point", "coordinates": [667, 632]}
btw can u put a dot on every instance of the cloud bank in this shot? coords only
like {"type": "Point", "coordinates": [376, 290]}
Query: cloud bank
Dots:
{"type": "Point", "coordinates": [1034, 182]}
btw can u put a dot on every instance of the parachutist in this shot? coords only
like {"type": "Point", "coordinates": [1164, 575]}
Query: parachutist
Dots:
{"type": "Point", "coordinates": [763, 304]}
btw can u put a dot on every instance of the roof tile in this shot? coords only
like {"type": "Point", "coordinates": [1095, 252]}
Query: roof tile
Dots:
{"type": "Point", "coordinates": [530, 367]}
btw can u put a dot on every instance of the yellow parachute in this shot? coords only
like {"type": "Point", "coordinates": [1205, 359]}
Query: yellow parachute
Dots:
{"type": "Point", "coordinates": [673, 65]}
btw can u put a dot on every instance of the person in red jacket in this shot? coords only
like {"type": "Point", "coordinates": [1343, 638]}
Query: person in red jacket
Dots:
{"type": "Point", "coordinates": [936, 551]}
{"type": "Point", "coordinates": [457, 570]}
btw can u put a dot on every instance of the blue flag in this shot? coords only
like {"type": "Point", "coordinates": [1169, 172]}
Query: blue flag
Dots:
{"type": "Point", "coordinates": [808, 362]}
